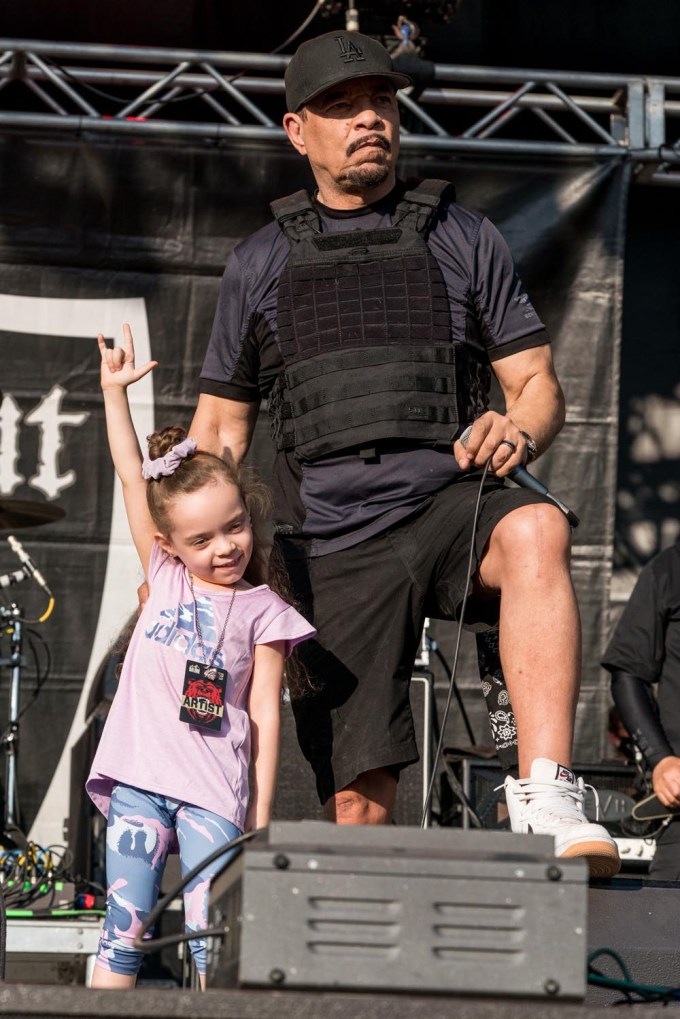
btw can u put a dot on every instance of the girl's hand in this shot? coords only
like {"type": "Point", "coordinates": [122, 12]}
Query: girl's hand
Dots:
{"type": "Point", "coordinates": [250, 823]}
{"type": "Point", "coordinates": [255, 819]}
{"type": "Point", "coordinates": [118, 364]}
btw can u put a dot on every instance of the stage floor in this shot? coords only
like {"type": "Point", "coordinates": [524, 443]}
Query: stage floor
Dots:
{"type": "Point", "coordinates": [54, 1002]}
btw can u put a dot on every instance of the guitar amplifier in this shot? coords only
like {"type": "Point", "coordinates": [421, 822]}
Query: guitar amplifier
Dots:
{"type": "Point", "coordinates": [314, 905]}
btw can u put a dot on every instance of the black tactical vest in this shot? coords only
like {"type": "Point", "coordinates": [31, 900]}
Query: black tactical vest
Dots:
{"type": "Point", "coordinates": [364, 330]}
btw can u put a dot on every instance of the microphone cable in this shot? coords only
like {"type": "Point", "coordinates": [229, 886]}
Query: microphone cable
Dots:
{"type": "Point", "coordinates": [150, 944]}
{"type": "Point", "coordinates": [525, 480]}
{"type": "Point", "coordinates": [454, 667]}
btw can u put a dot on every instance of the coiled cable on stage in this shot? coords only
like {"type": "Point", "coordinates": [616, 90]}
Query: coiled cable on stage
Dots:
{"type": "Point", "coordinates": [633, 992]}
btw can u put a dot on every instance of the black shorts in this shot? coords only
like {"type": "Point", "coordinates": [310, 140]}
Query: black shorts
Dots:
{"type": "Point", "coordinates": [368, 604]}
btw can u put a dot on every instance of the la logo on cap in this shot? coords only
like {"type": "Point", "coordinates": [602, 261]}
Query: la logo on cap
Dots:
{"type": "Point", "coordinates": [349, 50]}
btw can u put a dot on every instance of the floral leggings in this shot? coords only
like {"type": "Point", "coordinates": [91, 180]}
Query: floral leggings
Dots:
{"type": "Point", "coordinates": [143, 828]}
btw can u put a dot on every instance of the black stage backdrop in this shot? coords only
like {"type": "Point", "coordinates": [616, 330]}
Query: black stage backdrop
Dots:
{"type": "Point", "coordinates": [93, 234]}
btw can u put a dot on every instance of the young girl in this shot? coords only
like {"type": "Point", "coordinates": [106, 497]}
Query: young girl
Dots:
{"type": "Point", "coordinates": [200, 689]}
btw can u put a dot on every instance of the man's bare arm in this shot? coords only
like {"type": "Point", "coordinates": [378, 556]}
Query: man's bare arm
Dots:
{"type": "Point", "coordinates": [533, 396]}
{"type": "Point", "coordinates": [224, 427]}
{"type": "Point", "coordinates": [534, 403]}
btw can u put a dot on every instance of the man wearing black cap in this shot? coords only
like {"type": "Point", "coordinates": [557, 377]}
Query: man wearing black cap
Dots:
{"type": "Point", "coordinates": [371, 315]}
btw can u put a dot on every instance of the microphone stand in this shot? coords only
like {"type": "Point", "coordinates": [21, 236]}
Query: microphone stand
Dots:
{"type": "Point", "coordinates": [10, 620]}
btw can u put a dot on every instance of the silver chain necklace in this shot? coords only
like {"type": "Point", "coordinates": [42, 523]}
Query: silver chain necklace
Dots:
{"type": "Point", "coordinates": [199, 634]}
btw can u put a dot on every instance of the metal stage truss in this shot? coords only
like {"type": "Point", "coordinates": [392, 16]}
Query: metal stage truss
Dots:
{"type": "Point", "coordinates": [222, 97]}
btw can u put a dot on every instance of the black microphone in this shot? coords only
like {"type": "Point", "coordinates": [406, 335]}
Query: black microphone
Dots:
{"type": "Point", "coordinates": [28, 563]}
{"type": "Point", "coordinates": [7, 579]}
{"type": "Point", "coordinates": [521, 477]}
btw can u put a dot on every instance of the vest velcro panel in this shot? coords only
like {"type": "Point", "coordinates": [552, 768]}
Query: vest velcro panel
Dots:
{"type": "Point", "coordinates": [346, 398]}
{"type": "Point", "coordinates": [364, 330]}
{"type": "Point", "coordinates": [331, 306]}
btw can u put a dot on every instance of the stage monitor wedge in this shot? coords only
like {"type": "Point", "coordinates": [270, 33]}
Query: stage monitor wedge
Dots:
{"type": "Point", "coordinates": [311, 905]}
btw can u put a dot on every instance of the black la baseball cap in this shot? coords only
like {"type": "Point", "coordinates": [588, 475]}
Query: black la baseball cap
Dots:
{"type": "Point", "coordinates": [329, 59]}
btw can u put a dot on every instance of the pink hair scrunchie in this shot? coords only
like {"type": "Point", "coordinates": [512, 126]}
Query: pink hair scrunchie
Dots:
{"type": "Point", "coordinates": [164, 466]}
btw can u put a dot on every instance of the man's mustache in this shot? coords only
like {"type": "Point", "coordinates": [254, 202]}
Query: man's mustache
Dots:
{"type": "Point", "coordinates": [373, 140]}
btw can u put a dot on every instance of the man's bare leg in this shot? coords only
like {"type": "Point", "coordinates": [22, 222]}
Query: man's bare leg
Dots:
{"type": "Point", "coordinates": [369, 799]}
{"type": "Point", "coordinates": [527, 561]}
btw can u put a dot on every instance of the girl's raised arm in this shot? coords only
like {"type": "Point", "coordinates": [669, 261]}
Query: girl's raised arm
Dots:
{"type": "Point", "coordinates": [118, 371]}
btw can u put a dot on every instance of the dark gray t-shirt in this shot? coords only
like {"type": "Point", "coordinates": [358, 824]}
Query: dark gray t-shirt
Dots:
{"type": "Point", "coordinates": [339, 500]}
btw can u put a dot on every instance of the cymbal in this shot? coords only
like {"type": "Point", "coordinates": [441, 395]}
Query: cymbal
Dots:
{"type": "Point", "coordinates": [24, 513]}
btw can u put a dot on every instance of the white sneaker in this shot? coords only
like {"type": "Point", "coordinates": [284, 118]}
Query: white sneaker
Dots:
{"type": "Point", "coordinates": [550, 802]}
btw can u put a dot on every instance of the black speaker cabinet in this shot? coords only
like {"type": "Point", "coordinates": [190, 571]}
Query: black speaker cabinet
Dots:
{"type": "Point", "coordinates": [296, 798]}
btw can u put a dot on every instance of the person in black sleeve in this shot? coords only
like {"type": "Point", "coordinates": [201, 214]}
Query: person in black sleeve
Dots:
{"type": "Point", "coordinates": [644, 654]}
{"type": "Point", "coordinates": [371, 315]}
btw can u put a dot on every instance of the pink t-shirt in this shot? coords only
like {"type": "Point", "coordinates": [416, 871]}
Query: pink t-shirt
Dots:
{"type": "Point", "coordinates": [144, 744]}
